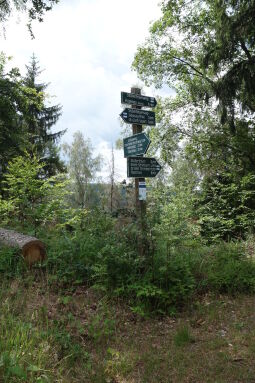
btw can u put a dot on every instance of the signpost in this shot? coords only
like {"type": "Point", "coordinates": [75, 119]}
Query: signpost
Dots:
{"type": "Point", "coordinates": [138, 100]}
{"type": "Point", "coordinates": [136, 145]}
{"type": "Point", "coordinates": [138, 116]}
{"type": "Point", "coordinates": [142, 167]}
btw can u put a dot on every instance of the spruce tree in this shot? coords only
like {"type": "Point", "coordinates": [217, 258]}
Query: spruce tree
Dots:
{"type": "Point", "coordinates": [15, 100]}
{"type": "Point", "coordinates": [40, 121]}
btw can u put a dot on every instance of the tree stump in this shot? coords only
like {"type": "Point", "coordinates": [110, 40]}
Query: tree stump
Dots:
{"type": "Point", "coordinates": [32, 249]}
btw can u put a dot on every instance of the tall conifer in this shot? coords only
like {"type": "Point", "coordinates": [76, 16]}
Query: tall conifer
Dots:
{"type": "Point", "coordinates": [40, 121]}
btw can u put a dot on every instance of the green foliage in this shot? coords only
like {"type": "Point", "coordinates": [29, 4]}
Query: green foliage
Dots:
{"type": "Point", "coordinates": [82, 169]}
{"type": "Point", "coordinates": [205, 51]}
{"type": "Point", "coordinates": [68, 348]}
{"type": "Point", "coordinates": [39, 122]}
{"type": "Point", "coordinates": [11, 263]}
{"type": "Point", "coordinates": [25, 189]}
{"type": "Point", "coordinates": [171, 206]}
{"type": "Point", "coordinates": [193, 41]}
{"type": "Point", "coordinates": [227, 270]}
{"type": "Point", "coordinates": [33, 348]}
{"type": "Point", "coordinates": [89, 247]}
{"type": "Point", "coordinates": [169, 283]}
{"type": "Point", "coordinates": [26, 120]}
{"type": "Point", "coordinates": [6, 208]}
{"type": "Point", "coordinates": [34, 8]}
{"type": "Point", "coordinates": [23, 351]}
{"type": "Point", "coordinates": [15, 101]}
{"type": "Point", "coordinates": [102, 326]}
{"type": "Point", "coordinates": [163, 281]}
{"type": "Point", "coordinates": [165, 287]}
{"type": "Point", "coordinates": [32, 200]}
{"type": "Point", "coordinates": [226, 206]}
{"type": "Point", "coordinates": [111, 263]}
{"type": "Point", "coordinates": [89, 234]}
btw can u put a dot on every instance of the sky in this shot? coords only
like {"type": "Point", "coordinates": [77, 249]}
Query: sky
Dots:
{"type": "Point", "coordinates": [86, 48]}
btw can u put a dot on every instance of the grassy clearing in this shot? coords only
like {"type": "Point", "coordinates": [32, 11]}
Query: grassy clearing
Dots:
{"type": "Point", "coordinates": [78, 335]}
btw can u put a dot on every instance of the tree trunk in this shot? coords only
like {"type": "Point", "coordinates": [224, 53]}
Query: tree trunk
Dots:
{"type": "Point", "coordinates": [32, 249]}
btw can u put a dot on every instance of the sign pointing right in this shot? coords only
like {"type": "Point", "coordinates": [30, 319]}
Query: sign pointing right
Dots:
{"type": "Point", "coordinates": [142, 167]}
{"type": "Point", "coordinates": [136, 145]}
{"type": "Point", "coordinates": [138, 100]}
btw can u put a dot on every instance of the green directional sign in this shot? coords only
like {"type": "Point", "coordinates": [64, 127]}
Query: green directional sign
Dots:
{"type": "Point", "coordinates": [142, 167]}
{"type": "Point", "coordinates": [138, 116]}
{"type": "Point", "coordinates": [136, 145]}
{"type": "Point", "coordinates": [138, 100]}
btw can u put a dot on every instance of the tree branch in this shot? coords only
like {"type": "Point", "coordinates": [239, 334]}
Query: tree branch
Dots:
{"type": "Point", "coordinates": [201, 74]}
{"type": "Point", "coordinates": [244, 48]}
{"type": "Point", "coordinates": [198, 141]}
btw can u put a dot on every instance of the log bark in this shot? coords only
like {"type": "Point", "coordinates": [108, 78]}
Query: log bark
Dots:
{"type": "Point", "coordinates": [32, 249]}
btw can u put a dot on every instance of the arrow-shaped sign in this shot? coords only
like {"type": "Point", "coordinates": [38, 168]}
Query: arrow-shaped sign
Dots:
{"type": "Point", "coordinates": [142, 167]}
{"type": "Point", "coordinates": [136, 145]}
{"type": "Point", "coordinates": [138, 100]}
{"type": "Point", "coordinates": [138, 116]}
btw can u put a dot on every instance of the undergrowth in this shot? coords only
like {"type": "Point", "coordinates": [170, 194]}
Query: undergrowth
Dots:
{"type": "Point", "coordinates": [98, 253]}
{"type": "Point", "coordinates": [32, 349]}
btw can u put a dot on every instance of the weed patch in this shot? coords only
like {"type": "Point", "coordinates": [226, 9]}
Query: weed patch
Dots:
{"type": "Point", "coordinates": [183, 336]}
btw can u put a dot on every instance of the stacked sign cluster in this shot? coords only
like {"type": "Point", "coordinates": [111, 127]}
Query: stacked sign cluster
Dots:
{"type": "Point", "coordinates": [137, 145]}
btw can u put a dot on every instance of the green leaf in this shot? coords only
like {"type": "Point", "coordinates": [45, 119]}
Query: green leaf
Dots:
{"type": "Point", "coordinates": [17, 371]}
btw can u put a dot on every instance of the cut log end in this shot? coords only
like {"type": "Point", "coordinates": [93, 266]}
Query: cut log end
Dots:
{"type": "Point", "coordinates": [33, 252]}
{"type": "Point", "coordinates": [32, 249]}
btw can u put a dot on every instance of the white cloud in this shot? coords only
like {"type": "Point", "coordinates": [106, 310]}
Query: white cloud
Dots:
{"type": "Point", "coordinates": [86, 48]}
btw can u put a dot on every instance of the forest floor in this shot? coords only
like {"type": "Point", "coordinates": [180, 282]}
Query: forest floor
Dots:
{"type": "Point", "coordinates": [78, 335]}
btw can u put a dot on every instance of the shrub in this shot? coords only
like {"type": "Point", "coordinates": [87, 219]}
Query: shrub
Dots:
{"type": "Point", "coordinates": [158, 282]}
{"type": "Point", "coordinates": [229, 270]}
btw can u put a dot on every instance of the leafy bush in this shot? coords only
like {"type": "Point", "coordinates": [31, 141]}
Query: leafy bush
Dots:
{"type": "Point", "coordinates": [166, 286]}
{"type": "Point", "coordinates": [226, 206]}
{"type": "Point", "coordinates": [229, 270]}
{"type": "Point", "coordinates": [160, 282]}
{"type": "Point", "coordinates": [31, 200]}
{"type": "Point", "coordinates": [73, 255]}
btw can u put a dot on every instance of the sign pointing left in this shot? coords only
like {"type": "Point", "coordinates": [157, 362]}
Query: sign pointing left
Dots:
{"type": "Point", "coordinates": [138, 116]}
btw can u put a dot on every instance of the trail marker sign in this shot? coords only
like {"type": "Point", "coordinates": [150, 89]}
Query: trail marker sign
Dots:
{"type": "Point", "coordinates": [138, 100]}
{"type": "Point", "coordinates": [142, 191]}
{"type": "Point", "coordinates": [136, 145]}
{"type": "Point", "coordinates": [142, 167]}
{"type": "Point", "coordinates": [138, 116]}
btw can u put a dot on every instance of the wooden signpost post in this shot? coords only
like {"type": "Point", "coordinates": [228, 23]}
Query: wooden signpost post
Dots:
{"type": "Point", "coordinates": [137, 145]}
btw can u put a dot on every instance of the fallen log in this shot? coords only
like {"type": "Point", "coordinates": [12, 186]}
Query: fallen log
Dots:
{"type": "Point", "coordinates": [32, 249]}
